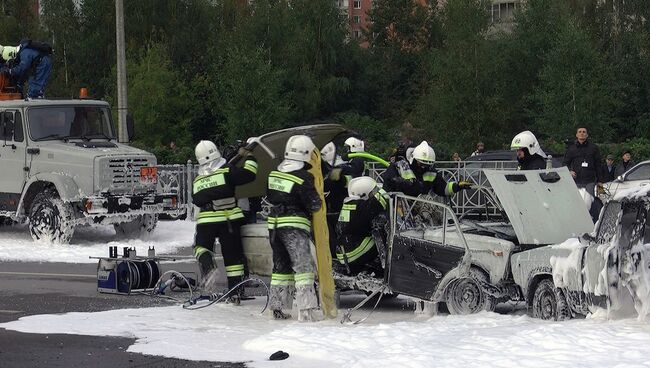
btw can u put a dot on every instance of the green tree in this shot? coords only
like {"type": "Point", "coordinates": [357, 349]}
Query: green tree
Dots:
{"type": "Point", "coordinates": [249, 96]}
{"type": "Point", "coordinates": [61, 21]}
{"type": "Point", "coordinates": [573, 88]}
{"type": "Point", "coordinates": [463, 104]}
{"type": "Point", "coordinates": [158, 101]}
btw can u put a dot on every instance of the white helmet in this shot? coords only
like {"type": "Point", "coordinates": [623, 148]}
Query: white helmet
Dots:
{"type": "Point", "coordinates": [354, 144]}
{"type": "Point", "coordinates": [8, 52]}
{"type": "Point", "coordinates": [526, 140]}
{"type": "Point", "coordinates": [328, 153]}
{"type": "Point", "coordinates": [361, 187]}
{"type": "Point", "coordinates": [206, 152]}
{"type": "Point", "coordinates": [423, 153]}
{"type": "Point", "coordinates": [409, 154]}
{"type": "Point", "coordinates": [299, 148]}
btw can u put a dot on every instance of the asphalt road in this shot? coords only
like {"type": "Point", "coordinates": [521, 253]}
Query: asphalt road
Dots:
{"type": "Point", "coordinates": [45, 288]}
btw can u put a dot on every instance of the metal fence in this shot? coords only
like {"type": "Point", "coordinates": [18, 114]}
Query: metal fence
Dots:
{"type": "Point", "coordinates": [177, 179]}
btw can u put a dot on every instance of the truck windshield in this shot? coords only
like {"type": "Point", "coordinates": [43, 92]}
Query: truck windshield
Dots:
{"type": "Point", "coordinates": [67, 122]}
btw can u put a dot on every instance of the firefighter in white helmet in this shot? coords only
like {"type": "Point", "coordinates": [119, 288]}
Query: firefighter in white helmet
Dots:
{"type": "Point", "coordinates": [365, 207]}
{"type": "Point", "coordinates": [355, 166]}
{"type": "Point", "coordinates": [420, 175]}
{"type": "Point", "coordinates": [213, 191]}
{"type": "Point", "coordinates": [294, 199]}
{"type": "Point", "coordinates": [529, 154]}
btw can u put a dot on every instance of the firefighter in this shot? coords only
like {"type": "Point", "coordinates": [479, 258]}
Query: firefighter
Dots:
{"type": "Point", "coordinates": [213, 192]}
{"type": "Point", "coordinates": [356, 166]}
{"type": "Point", "coordinates": [419, 176]}
{"type": "Point", "coordinates": [294, 199]}
{"type": "Point", "coordinates": [529, 154]}
{"type": "Point", "coordinates": [364, 209]}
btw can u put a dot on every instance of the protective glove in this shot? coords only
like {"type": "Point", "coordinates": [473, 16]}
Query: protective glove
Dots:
{"type": "Point", "coordinates": [345, 157]}
{"type": "Point", "coordinates": [243, 152]}
{"type": "Point", "coordinates": [464, 185]}
{"type": "Point", "coordinates": [335, 174]}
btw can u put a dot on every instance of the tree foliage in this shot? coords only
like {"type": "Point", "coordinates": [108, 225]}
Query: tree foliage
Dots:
{"type": "Point", "coordinates": [229, 69]}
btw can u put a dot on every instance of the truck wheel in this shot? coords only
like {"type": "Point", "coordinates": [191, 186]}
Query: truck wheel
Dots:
{"type": "Point", "coordinates": [466, 296]}
{"type": "Point", "coordinates": [142, 225]}
{"type": "Point", "coordinates": [51, 219]}
{"type": "Point", "coordinates": [549, 302]}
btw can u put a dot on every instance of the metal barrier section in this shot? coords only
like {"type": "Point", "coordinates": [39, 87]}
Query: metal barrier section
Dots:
{"type": "Point", "coordinates": [477, 202]}
{"type": "Point", "coordinates": [177, 179]}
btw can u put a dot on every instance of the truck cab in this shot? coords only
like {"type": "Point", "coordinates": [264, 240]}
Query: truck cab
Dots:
{"type": "Point", "coordinates": [62, 167]}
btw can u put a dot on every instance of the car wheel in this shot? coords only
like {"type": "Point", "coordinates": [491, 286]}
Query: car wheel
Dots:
{"type": "Point", "coordinates": [549, 302]}
{"type": "Point", "coordinates": [466, 296]}
{"type": "Point", "coordinates": [51, 219]}
{"type": "Point", "coordinates": [137, 227]}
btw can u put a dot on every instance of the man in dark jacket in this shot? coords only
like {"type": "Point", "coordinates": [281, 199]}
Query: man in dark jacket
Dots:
{"type": "Point", "coordinates": [624, 165]}
{"type": "Point", "coordinates": [31, 61]}
{"type": "Point", "coordinates": [583, 160]}
{"type": "Point", "coordinates": [585, 164]}
{"type": "Point", "coordinates": [609, 169]}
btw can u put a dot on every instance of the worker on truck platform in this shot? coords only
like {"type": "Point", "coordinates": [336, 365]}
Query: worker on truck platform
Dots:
{"type": "Point", "coordinates": [30, 61]}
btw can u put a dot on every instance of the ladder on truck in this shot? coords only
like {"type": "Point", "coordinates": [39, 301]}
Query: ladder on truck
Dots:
{"type": "Point", "coordinates": [8, 91]}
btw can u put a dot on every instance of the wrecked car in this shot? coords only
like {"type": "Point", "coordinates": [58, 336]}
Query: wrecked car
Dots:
{"type": "Point", "coordinates": [608, 268]}
{"type": "Point", "coordinates": [434, 256]}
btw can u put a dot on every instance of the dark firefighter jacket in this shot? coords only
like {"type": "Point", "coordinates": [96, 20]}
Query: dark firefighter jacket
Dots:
{"type": "Point", "coordinates": [355, 225]}
{"type": "Point", "coordinates": [215, 193]}
{"type": "Point", "coordinates": [410, 180]}
{"type": "Point", "coordinates": [293, 198]}
{"type": "Point", "coordinates": [531, 162]}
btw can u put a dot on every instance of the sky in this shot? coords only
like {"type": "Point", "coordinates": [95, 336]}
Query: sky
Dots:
{"type": "Point", "coordinates": [393, 336]}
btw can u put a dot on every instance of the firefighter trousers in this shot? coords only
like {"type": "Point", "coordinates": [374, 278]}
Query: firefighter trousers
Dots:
{"type": "Point", "coordinates": [293, 270]}
{"type": "Point", "coordinates": [231, 249]}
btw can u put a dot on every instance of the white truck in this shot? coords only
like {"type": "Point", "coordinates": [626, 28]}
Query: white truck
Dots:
{"type": "Point", "coordinates": [61, 167]}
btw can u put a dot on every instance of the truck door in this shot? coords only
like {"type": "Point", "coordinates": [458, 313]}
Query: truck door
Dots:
{"type": "Point", "coordinates": [12, 159]}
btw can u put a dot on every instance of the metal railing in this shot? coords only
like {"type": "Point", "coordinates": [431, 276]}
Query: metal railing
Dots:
{"type": "Point", "coordinates": [177, 179]}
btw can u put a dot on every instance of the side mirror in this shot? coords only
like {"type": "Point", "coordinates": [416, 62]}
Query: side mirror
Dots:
{"type": "Point", "coordinates": [588, 237]}
{"type": "Point", "coordinates": [619, 178]}
{"type": "Point", "coordinates": [130, 127]}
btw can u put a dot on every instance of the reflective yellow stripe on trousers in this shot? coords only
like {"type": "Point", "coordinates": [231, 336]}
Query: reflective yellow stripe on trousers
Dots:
{"type": "Point", "coordinates": [367, 244]}
{"type": "Point", "coordinates": [220, 216]}
{"type": "Point", "coordinates": [289, 221]}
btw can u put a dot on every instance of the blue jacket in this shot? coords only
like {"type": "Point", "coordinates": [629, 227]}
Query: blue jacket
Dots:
{"type": "Point", "coordinates": [26, 58]}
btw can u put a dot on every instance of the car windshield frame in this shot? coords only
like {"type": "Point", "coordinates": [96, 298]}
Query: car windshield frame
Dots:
{"type": "Point", "coordinates": [642, 167]}
{"type": "Point", "coordinates": [65, 122]}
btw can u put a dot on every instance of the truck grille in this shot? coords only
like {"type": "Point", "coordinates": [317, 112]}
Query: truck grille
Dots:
{"type": "Point", "coordinates": [122, 174]}
{"type": "Point", "coordinates": [126, 171]}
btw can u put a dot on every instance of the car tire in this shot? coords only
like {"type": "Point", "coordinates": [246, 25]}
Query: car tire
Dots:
{"type": "Point", "coordinates": [549, 302]}
{"type": "Point", "coordinates": [51, 219]}
{"type": "Point", "coordinates": [466, 296]}
{"type": "Point", "coordinates": [138, 227]}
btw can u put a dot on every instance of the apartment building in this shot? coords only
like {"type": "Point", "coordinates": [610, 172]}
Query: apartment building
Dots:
{"type": "Point", "coordinates": [501, 13]}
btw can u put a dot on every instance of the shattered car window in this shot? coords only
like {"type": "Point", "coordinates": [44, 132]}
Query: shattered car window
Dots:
{"type": "Point", "coordinates": [632, 223]}
{"type": "Point", "coordinates": [608, 220]}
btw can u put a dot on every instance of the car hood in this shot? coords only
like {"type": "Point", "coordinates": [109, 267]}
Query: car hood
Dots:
{"type": "Point", "coordinates": [268, 149]}
{"type": "Point", "coordinates": [92, 148]}
{"type": "Point", "coordinates": [543, 206]}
